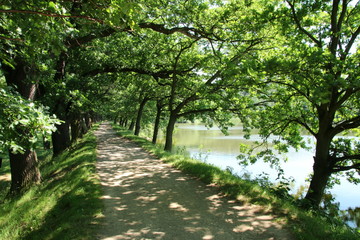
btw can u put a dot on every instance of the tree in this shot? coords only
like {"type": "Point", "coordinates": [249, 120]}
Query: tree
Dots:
{"type": "Point", "coordinates": [310, 83]}
{"type": "Point", "coordinates": [24, 66]}
{"type": "Point", "coordinates": [22, 126]}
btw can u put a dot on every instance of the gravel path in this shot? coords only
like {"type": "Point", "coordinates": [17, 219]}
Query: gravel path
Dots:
{"type": "Point", "coordinates": [145, 198]}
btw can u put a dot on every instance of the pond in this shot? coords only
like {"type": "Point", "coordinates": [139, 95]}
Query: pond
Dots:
{"type": "Point", "coordinates": [212, 146]}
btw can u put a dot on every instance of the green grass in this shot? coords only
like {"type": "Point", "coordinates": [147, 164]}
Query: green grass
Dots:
{"type": "Point", "coordinates": [305, 225]}
{"type": "Point", "coordinates": [66, 205]}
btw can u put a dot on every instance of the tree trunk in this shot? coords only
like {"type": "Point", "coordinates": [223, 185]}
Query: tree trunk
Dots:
{"type": "Point", "coordinates": [20, 78]}
{"type": "Point", "coordinates": [61, 138]}
{"type": "Point", "coordinates": [139, 115]}
{"type": "Point", "coordinates": [75, 130]}
{"type": "Point", "coordinates": [132, 125]}
{"type": "Point", "coordinates": [321, 171]}
{"type": "Point", "coordinates": [169, 132]}
{"type": "Point", "coordinates": [24, 170]}
{"type": "Point", "coordinates": [157, 122]}
{"type": "Point", "coordinates": [88, 121]}
{"type": "Point", "coordinates": [83, 128]}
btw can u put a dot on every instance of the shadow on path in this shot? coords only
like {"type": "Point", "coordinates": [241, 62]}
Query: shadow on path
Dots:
{"type": "Point", "coordinates": [147, 199]}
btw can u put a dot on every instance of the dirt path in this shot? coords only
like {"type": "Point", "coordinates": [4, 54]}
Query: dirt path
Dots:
{"type": "Point", "coordinates": [147, 199]}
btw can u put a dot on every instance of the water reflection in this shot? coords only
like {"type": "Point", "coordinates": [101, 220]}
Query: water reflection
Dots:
{"type": "Point", "coordinates": [213, 147]}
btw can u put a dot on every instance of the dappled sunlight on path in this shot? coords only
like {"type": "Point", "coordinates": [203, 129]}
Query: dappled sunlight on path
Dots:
{"type": "Point", "coordinates": [147, 199]}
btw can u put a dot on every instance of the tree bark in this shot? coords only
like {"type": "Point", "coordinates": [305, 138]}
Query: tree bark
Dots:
{"type": "Point", "coordinates": [139, 115]}
{"type": "Point", "coordinates": [75, 130]}
{"type": "Point", "coordinates": [157, 122]}
{"type": "Point", "coordinates": [132, 125]}
{"type": "Point", "coordinates": [317, 185]}
{"type": "Point", "coordinates": [24, 170]}
{"type": "Point", "coordinates": [321, 167]}
{"type": "Point", "coordinates": [61, 138]}
{"type": "Point", "coordinates": [169, 132]}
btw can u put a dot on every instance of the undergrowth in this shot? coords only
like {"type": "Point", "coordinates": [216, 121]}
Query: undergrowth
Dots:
{"type": "Point", "coordinates": [65, 205]}
{"type": "Point", "coordinates": [306, 225]}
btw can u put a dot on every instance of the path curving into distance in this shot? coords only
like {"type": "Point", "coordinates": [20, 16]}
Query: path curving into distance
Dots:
{"type": "Point", "coordinates": [145, 198]}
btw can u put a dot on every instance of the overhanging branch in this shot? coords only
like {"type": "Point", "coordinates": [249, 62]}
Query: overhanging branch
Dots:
{"type": "Point", "coordinates": [188, 31]}
{"type": "Point", "coordinates": [346, 168]}
{"type": "Point", "coordinates": [348, 124]}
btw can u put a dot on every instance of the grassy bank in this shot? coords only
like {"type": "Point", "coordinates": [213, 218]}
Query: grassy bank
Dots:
{"type": "Point", "coordinates": [66, 205]}
{"type": "Point", "coordinates": [305, 224]}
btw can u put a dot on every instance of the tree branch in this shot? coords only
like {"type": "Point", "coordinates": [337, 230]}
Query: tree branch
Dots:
{"type": "Point", "coordinates": [11, 39]}
{"type": "Point", "coordinates": [352, 41]}
{"type": "Point", "coordinates": [297, 21]}
{"type": "Point", "coordinates": [348, 124]}
{"type": "Point", "coordinates": [75, 42]}
{"type": "Point", "coordinates": [190, 32]}
{"type": "Point", "coordinates": [346, 168]}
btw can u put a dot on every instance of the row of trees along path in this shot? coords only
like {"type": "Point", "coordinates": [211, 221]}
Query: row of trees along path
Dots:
{"type": "Point", "coordinates": [145, 198]}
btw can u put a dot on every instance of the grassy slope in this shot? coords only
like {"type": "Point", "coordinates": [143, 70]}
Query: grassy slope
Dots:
{"type": "Point", "coordinates": [66, 205]}
{"type": "Point", "coordinates": [305, 225]}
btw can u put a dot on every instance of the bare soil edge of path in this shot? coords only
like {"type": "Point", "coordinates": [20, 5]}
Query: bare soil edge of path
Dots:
{"type": "Point", "coordinates": [145, 198]}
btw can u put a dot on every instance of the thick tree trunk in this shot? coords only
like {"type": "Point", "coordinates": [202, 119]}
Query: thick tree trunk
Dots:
{"type": "Point", "coordinates": [75, 130]}
{"type": "Point", "coordinates": [139, 115]}
{"type": "Point", "coordinates": [169, 132]}
{"type": "Point", "coordinates": [24, 170]}
{"type": "Point", "coordinates": [317, 185]}
{"type": "Point", "coordinates": [61, 138]}
{"type": "Point", "coordinates": [157, 122]}
{"type": "Point", "coordinates": [322, 171]}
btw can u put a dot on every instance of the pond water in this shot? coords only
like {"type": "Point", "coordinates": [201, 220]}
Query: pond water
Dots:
{"type": "Point", "coordinates": [212, 146]}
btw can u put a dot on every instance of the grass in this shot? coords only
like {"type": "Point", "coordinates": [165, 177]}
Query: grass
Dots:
{"type": "Point", "coordinates": [305, 225]}
{"type": "Point", "coordinates": [66, 205]}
